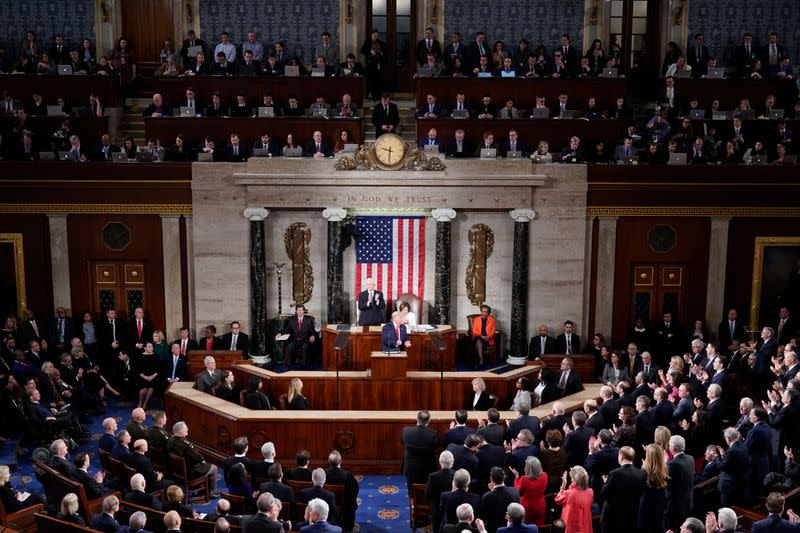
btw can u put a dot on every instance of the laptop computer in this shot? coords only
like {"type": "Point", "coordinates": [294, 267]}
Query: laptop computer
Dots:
{"type": "Point", "coordinates": [266, 112]}
{"type": "Point", "coordinates": [319, 112]}
{"type": "Point", "coordinates": [630, 160]}
{"type": "Point", "coordinates": [65, 70]}
{"type": "Point", "coordinates": [719, 115]}
{"type": "Point", "coordinates": [192, 51]}
{"type": "Point", "coordinates": [697, 114]}
{"type": "Point", "coordinates": [459, 113]}
{"type": "Point", "coordinates": [568, 114]}
{"type": "Point", "coordinates": [187, 112]}
{"type": "Point", "coordinates": [260, 152]}
{"type": "Point", "coordinates": [119, 156]}
{"type": "Point", "coordinates": [540, 112]}
{"type": "Point", "coordinates": [293, 152]}
{"type": "Point", "coordinates": [758, 160]}
{"type": "Point", "coordinates": [746, 114]}
{"type": "Point", "coordinates": [64, 155]}
{"type": "Point", "coordinates": [47, 156]}
{"type": "Point", "coordinates": [716, 73]}
{"type": "Point", "coordinates": [291, 71]}
{"type": "Point", "coordinates": [317, 72]}
{"type": "Point", "coordinates": [53, 110]}
{"type": "Point", "coordinates": [488, 153]}
{"type": "Point", "coordinates": [514, 155]}
{"type": "Point", "coordinates": [776, 114]}
{"type": "Point", "coordinates": [508, 74]}
{"type": "Point", "coordinates": [424, 72]}
{"type": "Point", "coordinates": [144, 157]}
{"type": "Point", "coordinates": [676, 158]}
{"type": "Point", "coordinates": [538, 158]}
{"type": "Point", "coordinates": [205, 157]}
{"type": "Point", "coordinates": [350, 148]}
{"type": "Point", "coordinates": [430, 148]}
{"type": "Point", "coordinates": [484, 74]}
{"type": "Point", "coordinates": [609, 73]}
{"type": "Point", "coordinates": [682, 74]}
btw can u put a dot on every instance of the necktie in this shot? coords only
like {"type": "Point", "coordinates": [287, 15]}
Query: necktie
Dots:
{"type": "Point", "coordinates": [627, 152]}
{"type": "Point", "coordinates": [772, 55]}
{"type": "Point", "coordinates": [139, 328]}
{"type": "Point", "coordinates": [398, 334]}
{"type": "Point", "coordinates": [191, 104]}
{"type": "Point", "coordinates": [569, 345]}
{"type": "Point", "coordinates": [61, 329]}
{"type": "Point", "coordinates": [386, 110]}
{"type": "Point", "coordinates": [459, 147]}
{"type": "Point", "coordinates": [235, 150]}
{"type": "Point", "coordinates": [429, 44]}
{"type": "Point", "coordinates": [646, 370]}
{"type": "Point", "coordinates": [299, 324]}
{"type": "Point", "coordinates": [460, 106]}
{"type": "Point", "coordinates": [780, 326]}
{"type": "Point", "coordinates": [513, 145]}
{"type": "Point", "coordinates": [563, 381]}
{"type": "Point", "coordinates": [318, 148]}
{"type": "Point", "coordinates": [233, 342]}
{"type": "Point", "coordinates": [430, 108]}
{"type": "Point", "coordinates": [113, 331]}
{"type": "Point", "coordinates": [183, 347]}
{"type": "Point", "coordinates": [542, 342]}
{"type": "Point", "coordinates": [480, 48]}
{"type": "Point", "coordinates": [174, 366]}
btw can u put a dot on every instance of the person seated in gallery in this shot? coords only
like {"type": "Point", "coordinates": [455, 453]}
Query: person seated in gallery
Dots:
{"type": "Point", "coordinates": [483, 329]}
{"type": "Point", "coordinates": [478, 399]}
{"type": "Point", "coordinates": [294, 397]}
{"type": "Point", "coordinates": [394, 335]}
{"type": "Point", "coordinates": [256, 398]}
{"type": "Point", "coordinates": [302, 335]}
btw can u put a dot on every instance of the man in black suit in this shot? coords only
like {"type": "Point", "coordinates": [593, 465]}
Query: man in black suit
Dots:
{"type": "Point", "coordinates": [697, 56]}
{"type": "Point", "coordinates": [190, 42]}
{"type": "Point", "coordinates": [602, 459]}
{"type": "Point", "coordinates": [495, 502]}
{"type": "Point", "coordinates": [428, 45]}
{"type": "Point", "coordinates": [301, 472]}
{"type": "Point", "coordinates": [240, 448]}
{"type": "Point", "coordinates": [493, 432]}
{"type": "Point", "coordinates": [371, 305]}
{"type": "Point", "coordinates": [59, 331]}
{"type": "Point", "coordinates": [594, 419]}
{"type": "Point", "coordinates": [138, 461]}
{"type": "Point", "coordinates": [489, 456]}
{"type": "Point", "coordinates": [93, 485]}
{"type": "Point", "coordinates": [453, 49]}
{"type": "Point", "coordinates": [458, 429]}
{"type": "Point", "coordinates": [318, 478]}
{"type": "Point", "coordinates": [667, 338]}
{"type": "Point", "coordinates": [576, 442]}
{"type": "Point", "coordinates": [524, 420]}
{"type": "Point", "coordinates": [139, 332]}
{"type": "Point", "coordinates": [186, 343]}
{"type": "Point", "coordinates": [785, 327]}
{"type": "Point", "coordinates": [466, 517]}
{"type": "Point", "coordinates": [771, 54]}
{"type": "Point", "coordinates": [260, 469]}
{"type": "Point", "coordinates": [568, 342]}
{"type": "Point", "coordinates": [317, 148]}
{"type": "Point", "coordinates": [222, 67]}
{"type": "Point", "coordinates": [105, 149]}
{"type": "Point", "coordinates": [541, 344]}
{"type": "Point", "coordinates": [110, 339]}
{"type": "Point", "coordinates": [249, 67]}
{"type": "Point", "coordinates": [262, 522]}
{"type": "Point", "coordinates": [568, 380]}
{"type": "Point", "coordinates": [609, 409]}
{"type": "Point", "coordinates": [662, 411]}
{"type": "Point", "coordinates": [222, 510]}
{"type": "Point", "coordinates": [301, 335]}
{"type": "Point", "coordinates": [236, 340]}
{"type": "Point", "coordinates": [459, 147]}
{"type": "Point", "coordinates": [216, 108]}
{"type": "Point", "coordinates": [385, 116]}
{"type": "Point", "coordinates": [351, 67]}
{"type": "Point", "coordinates": [277, 488]}
{"type": "Point", "coordinates": [746, 56]}
{"type": "Point", "coordinates": [449, 501]}
{"type": "Point", "coordinates": [681, 476]}
{"type": "Point", "coordinates": [105, 521]}
{"type": "Point", "coordinates": [337, 475]}
{"type": "Point", "coordinates": [476, 50]}
{"type": "Point", "coordinates": [649, 369]}
{"type": "Point", "coordinates": [157, 108]}
{"type": "Point", "coordinates": [735, 469]}
{"type": "Point", "coordinates": [236, 152]}
{"type": "Point", "coordinates": [439, 482]}
{"type": "Point", "coordinates": [138, 496]}
{"type": "Point", "coordinates": [464, 455]}
{"type": "Point", "coordinates": [557, 420]}
{"type": "Point", "coordinates": [621, 493]}
{"type": "Point", "coordinates": [569, 54]}
{"type": "Point", "coordinates": [59, 52]}
{"type": "Point", "coordinates": [266, 142]}
{"type": "Point", "coordinates": [176, 367]}
{"type": "Point", "coordinates": [419, 444]}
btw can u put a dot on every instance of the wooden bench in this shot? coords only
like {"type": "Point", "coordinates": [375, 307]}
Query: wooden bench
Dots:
{"type": "Point", "coordinates": [54, 525]}
{"type": "Point", "coordinates": [22, 520]}
{"type": "Point", "coordinates": [419, 508]}
{"type": "Point", "coordinates": [57, 486]}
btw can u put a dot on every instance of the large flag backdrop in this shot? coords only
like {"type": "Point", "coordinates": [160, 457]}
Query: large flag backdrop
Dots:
{"type": "Point", "coordinates": [391, 251]}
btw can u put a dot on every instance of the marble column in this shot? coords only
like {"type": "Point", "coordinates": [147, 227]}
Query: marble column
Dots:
{"type": "Point", "coordinates": [258, 282]}
{"type": "Point", "coordinates": [606, 255]}
{"type": "Point", "coordinates": [335, 217]}
{"type": "Point", "coordinates": [519, 286]}
{"type": "Point", "coordinates": [442, 280]}
{"type": "Point", "coordinates": [717, 263]}
{"type": "Point", "coordinates": [190, 266]}
{"type": "Point", "coordinates": [59, 261]}
{"type": "Point", "coordinates": [173, 294]}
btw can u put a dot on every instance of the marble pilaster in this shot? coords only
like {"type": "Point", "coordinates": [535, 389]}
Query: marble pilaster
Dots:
{"type": "Point", "coordinates": [441, 295]}
{"type": "Point", "coordinates": [519, 286]}
{"type": "Point", "coordinates": [606, 253]}
{"type": "Point", "coordinates": [717, 263]}
{"type": "Point", "coordinates": [59, 261]}
{"type": "Point", "coordinates": [258, 281]}
{"type": "Point", "coordinates": [335, 217]}
{"type": "Point", "coordinates": [173, 289]}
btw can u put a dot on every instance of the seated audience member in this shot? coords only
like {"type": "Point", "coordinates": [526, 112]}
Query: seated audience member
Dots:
{"type": "Point", "coordinates": [68, 510]}
{"type": "Point", "coordinates": [255, 398]}
{"type": "Point", "coordinates": [105, 521]}
{"type": "Point", "coordinates": [105, 148]}
{"type": "Point", "coordinates": [294, 109]}
{"type": "Point", "coordinates": [429, 68]}
{"type": "Point", "coordinates": [121, 449]}
{"type": "Point", "coordinates": [154, 151]}
{"type": "Point", "coordinates": [169, 68]}
{"type": "Point", "coordinates": [129, 147]}
{"type": "Point", "coordinates": [346, 108]}
{"type": "Point", "coordinates": [479, 399]}
{"type": "Point", "coordinates": [317, 148]}
{"type": "Point", "coordinates": [319, 108]}
{"type": "Point", "coordinates": [138, 496]}
{"type": "Point", "coordinates": [158, 108]}
{"type": "Point", "coordinates": [180, 151]}
{"type": "Point", "coordinates": [574, 152]}
{"type": "Point", "coordinates": [227, 388]}
{"type": "Point", "coordinates": [196, 466]}
{"type": "Point", "coordinates": [542, 154]}
{"type": "Point", "coordinates": [430, 109]}
{"type": "Point", "coordinates": [459, 147]}
{"type": "Point", "coordinates": [350, 67]}
{"type": "Point", "coordinates": [486, 109]}
{"type": "Point", "coordinates": [344, 138]}
{"type": "Point", "coordinates": [301, 472]}
{"type": "Point", "coordinates": [266, 142]}
{"type": "Point", "coordinates": [250, 66]}
{"type": "Point", "coordinates": [235, 152]}
{"type": "Point", "coordinates": [483, 68]}
{"type": "Point", "coordinates": [174, 503]}
{"type": "Point", "coordinates": [216, 108]}
{"type": "Point", "coordinates": [222, 512]}
{"type": "Point", "coordinates": [321, 65]}
{"type": "Point", "coordinates": [295, 397]}
{"type": "Point", "coordinates": [241, 109]}
{"type": "Point", "coordinates": [508, 110]}
{"type": "Point", "coordinates": [239, 485]}
{"type": "Point", "coordinates": [483, 326]}
{"type": "Point", "coordinates": [268, 101]}
{"type": "Point", "coordinates": [300, 329]}
{"type": "Point", "coordinates": [223, 67]}
{"type": "Point", "coordinates": [460, 106]}
{"type": "Point", "coordinates": [14, 500]}
{"type": "Point", "coordinates": [432, 139]}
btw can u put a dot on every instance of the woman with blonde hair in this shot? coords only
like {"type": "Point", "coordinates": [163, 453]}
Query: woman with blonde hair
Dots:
{"type": "Point", "coordinates": [661, 439]}
{"type": "Point", "coordinates": [10, 497]}
{"type": "Point", "coordinates": [161, 346]}
{"type": "Point", "coordinates": [295, 396]}
{"type": "Point", "coordinates": [653, 502]}
{"type": "Point", "coordinates": [479, 400]}
{"type": "Point", "coordinates": [69, 510]}
{"type": "Point", "coordinates": [576, 501]}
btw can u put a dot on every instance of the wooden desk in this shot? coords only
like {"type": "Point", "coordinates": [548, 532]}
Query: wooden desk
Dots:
{"type": "Point", "coordinates": [225, 360]}
{"type": "Point", "coordinates": [369, 441]}
{"type": "Point", "coordinates": [194, 130]}
{"type": "Point", "coordinates": [362, 343]}
{"type": "Point", "coordinates": [730, 91]}
{"type": "Point", "coordinates": [584, 364]}
{"type": "Point", "coordinates": [88, 129]}
{"type": "Point", "coordinates": [305, 88]}
{"type": "Point", "coordinates": [74, 89]}
{"type": "Point", "coordinates": [388, 366]}
{"type": "Point", "coordinates": [524, 91]}
{"type": "Point", "coordinates": [556, 131]}
{"type": "Point", "coordinates": [417, 390]}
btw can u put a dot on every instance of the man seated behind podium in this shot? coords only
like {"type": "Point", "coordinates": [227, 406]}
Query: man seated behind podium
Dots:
{"type": "Point", "coordinates": [394, 335]}
{"type": "Point", "coordinates": [301, 334]}
{"type": "Point", "coordinates": [371, 305]}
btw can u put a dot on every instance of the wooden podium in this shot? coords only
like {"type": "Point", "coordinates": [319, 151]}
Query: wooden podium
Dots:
{"type": "Point", "coordinates": [388, 366]}
{"type": "Point", "coordinates": [225, 360]}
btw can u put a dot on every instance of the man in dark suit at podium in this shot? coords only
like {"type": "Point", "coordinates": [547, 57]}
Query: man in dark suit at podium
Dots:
{"type": "Point", "coordinates": [236, 340]}
{"type": "Point", "coordinates": [541, 344]}
{"type": "Point", "coordinates": [301, 334]}
{"type": "Point", "coordinates": [372, 305]}
{"type": "Point", "coordinates": [394, 336]}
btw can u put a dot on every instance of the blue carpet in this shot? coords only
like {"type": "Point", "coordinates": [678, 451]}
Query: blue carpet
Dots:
{"type": "Point", "coordinates": [383, 500]}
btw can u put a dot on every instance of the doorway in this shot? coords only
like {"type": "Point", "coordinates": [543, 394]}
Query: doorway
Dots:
{"type": "Point", "coordinates": [658, 289]}
{"type": "Point", "coordinates": [395, 20]}
{"type": "Point", "coordinates": [118, 285]}
{"type": "Point", "coordinates": [146, 23]}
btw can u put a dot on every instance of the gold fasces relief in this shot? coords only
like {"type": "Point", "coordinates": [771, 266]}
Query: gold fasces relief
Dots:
{"type": "Point", "coordinates": [296, 239]}
{"type": "Point", "coordinates": [481, 241]}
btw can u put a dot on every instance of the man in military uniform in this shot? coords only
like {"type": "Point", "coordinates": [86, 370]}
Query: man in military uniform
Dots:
{"type": "Point", "coordinates": [196, 466]}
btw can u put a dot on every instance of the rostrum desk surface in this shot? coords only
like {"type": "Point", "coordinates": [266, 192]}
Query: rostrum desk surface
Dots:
{"type": "Point", "coordinates": [369, 441]}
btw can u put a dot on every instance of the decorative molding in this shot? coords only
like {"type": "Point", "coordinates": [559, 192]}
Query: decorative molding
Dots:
{"type": "Point", "coordinates": [334, 214]}
{"type": "Point", "coordinates": [522, 215]}
{"type": "Point", "coordinates": [98, 209]}
{"type": "Point", "coordinates": [256, 214]}
{"type": "Point", "coordinates": [738, 212]}
{"type": "Point", "coordinates": [443, 215]}
{"type": "Point", "coordinates": [761, 243]}
{"type": "Point", "coordinates": [15, 239]}
{"type": "Point", "coordinates": [387, 211]}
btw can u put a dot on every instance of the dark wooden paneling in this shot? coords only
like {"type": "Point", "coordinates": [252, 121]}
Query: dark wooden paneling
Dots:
{"type": "Point", "coordinates": [145, 24]}
{"type": "Point", "coordinates": [74, 89]}
{"type": "Point", "coordinates": [729, 92]}
{"type": "Point", "coordinates": [742, 235]}
{"type": "Point", "coordinates": [85, 245]}
{"type": "Point", "coordinates": [194, 130]}
{"type": "Point", "coordinates": [691, 249]}
{"type": "Point", "coordinates": [35, 230]}
{"type": "Point", "coordinates": [524, 91]}
{"type": "Point", "coordinates": [419, 353]}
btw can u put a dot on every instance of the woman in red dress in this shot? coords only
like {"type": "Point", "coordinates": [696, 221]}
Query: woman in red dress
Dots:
{"type": "Point", "coordinates": [576, 501]}
{"type": "Point", "coordinates": [531, 488]}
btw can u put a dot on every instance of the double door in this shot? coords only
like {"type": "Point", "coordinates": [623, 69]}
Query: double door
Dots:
{"type": "Point", "coordinates": [658, 288]}
{"type": "Point", "coordinates": [118, 285]}
{"type": "Point", "coordinates": [395, 20]}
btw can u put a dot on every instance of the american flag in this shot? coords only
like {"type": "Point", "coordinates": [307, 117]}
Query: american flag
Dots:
{"type": "Point", "coordinates": [392, 252]}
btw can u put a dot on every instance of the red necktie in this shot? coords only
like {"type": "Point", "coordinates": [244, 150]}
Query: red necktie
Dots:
{"type": "Point", "coordinates": [299, 324]}
{"type": "Point", "coordinates": [398, 332]}
{"type": "Point", "coordinates": [183, 347]}
{"type": "Point", "coordinates": [139, 328]}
